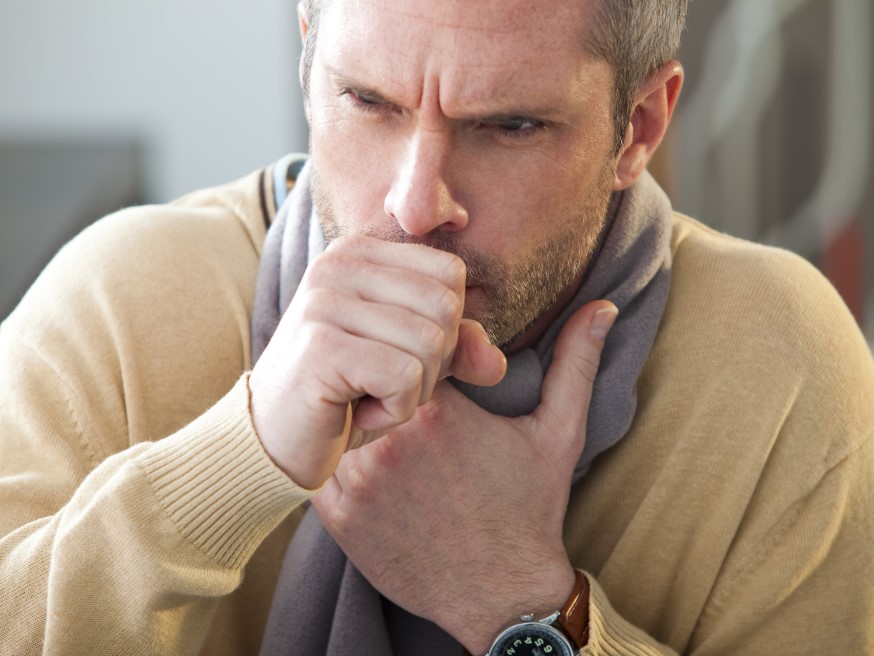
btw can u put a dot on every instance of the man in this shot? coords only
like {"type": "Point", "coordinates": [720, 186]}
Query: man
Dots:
{"type": "Point", "coordinates": [478, 170]}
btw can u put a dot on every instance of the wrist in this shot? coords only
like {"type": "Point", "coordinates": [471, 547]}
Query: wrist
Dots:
{"type": "Point", "coordinates": [538, 593]}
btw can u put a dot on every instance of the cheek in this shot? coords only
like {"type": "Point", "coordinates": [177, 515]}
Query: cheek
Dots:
{"type": "Point", "coordinates": [515, 208]}
{"type": "Point", "coordinates": [351, 164]}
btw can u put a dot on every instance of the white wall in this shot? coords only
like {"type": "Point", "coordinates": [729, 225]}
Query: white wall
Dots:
{"type": "Point", "coordinates": [209, 88]}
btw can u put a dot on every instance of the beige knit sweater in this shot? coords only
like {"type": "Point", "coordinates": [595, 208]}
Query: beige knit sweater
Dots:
{"type": "Point", "coordinates": [139, 514]}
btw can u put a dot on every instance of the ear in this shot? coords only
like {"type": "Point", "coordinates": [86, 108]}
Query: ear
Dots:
{"type": "Point", "coordinates": [653, 107]}
{"type": "Point", "coordinates": [303, 24]}
{"type": "Point", "coordinates": [302, 20]}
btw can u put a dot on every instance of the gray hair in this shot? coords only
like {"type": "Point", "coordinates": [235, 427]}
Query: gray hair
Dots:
{"type": "Point", "coordinates": [634, 36]}
{"type": "Point", "coordinates": [313, 9]}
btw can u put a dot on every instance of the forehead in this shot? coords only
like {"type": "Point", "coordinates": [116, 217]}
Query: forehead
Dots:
{"type": "Point", "coordinates": [471, 50]}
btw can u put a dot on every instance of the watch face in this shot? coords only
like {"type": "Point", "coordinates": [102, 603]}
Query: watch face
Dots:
{"type": "Point", "coordinates": [531, 639]}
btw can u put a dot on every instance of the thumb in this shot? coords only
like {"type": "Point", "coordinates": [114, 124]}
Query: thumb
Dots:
{"type": "Point", "coordinates": [567, 386]}
{"type": "Point", "coordinates": [477, 360]}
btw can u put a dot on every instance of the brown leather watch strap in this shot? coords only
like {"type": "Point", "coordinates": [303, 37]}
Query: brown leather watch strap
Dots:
{"type": "Point", "coordinates": [574, 616]}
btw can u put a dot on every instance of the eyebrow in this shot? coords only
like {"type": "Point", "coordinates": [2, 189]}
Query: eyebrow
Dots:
{"type": "Point", "coordinates": [544, 113]}
{"type": "Point", "coordinates": [343, 80]}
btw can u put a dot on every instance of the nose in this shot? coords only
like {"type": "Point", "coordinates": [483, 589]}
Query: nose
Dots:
{"type": "Point", "coordinates": [420, 198]}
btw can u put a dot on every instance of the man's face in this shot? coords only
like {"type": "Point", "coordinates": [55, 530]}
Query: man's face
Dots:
{"type": "Point", "coordinates": [477, 126]}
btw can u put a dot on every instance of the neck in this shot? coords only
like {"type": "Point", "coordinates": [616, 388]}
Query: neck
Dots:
{"type": "Point", "coordinates": [531, 334]}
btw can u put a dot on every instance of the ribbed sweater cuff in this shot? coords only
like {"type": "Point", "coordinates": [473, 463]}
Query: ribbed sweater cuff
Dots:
{"type": "Point", "coordinates": [611, 635]}
{"type": "Point", "coordinates": [218, 485]}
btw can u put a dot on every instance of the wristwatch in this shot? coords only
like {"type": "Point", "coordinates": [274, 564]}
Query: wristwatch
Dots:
{"type": "Point", "coordinates": [564, 633]}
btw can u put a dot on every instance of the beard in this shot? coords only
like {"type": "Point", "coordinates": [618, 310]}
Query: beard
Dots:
{"type": "Point", "coordinates": [517, 293]}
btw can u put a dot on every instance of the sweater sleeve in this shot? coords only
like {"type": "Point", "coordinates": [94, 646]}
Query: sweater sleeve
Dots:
{"type": "Point", "coordinates": [611, 635]}
{"type": "Point", "coordinates": [132, 558]}
{"type": "Point", "coordinates": [133, 488]}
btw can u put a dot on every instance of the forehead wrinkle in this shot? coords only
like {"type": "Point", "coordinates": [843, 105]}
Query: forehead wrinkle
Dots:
{"type": "Point", "coordinates": [470, 63]}
{"type": "Point", "coordinates": [396, 71]}
{"type": "Point", "coordinates": [349, 56]}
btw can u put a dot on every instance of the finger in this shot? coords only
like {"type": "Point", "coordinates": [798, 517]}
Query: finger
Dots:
{"type": "Point", "coordinates": [477, 360]}
{"type": "Point", "coordinates": [374, 417]}
{"type": "Point", "coordinates": [387, 285]}
{"type": "Point", "coordinates": [567, 386]}
{"type": "Point", "coordinates": [391, 325]}
{"type": "Point", "coordinates": [355, 367]}
{"type": "Point", "coordinates": [431, 262]}
{"type": "Point", "coordinates": [357, 437]}
{"type": "Point", "coordinates": [392, 285]}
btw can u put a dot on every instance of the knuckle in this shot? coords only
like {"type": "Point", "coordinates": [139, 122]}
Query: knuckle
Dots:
{"type": "Point", "coordinates": [321, 270]}
{"type": "Point", "coordinates": [315, 338]}
{"type": "Point", "coordinates": [386, 453]}
{"type": "Point", "coordinates": [455, 270]}
{"type": "Point", "coordinates": [431, 415]}
{"type": "Point", "coordinates": [347, 242]}
{"type": "Point", "coordinates": [357, 484]}
{"type": "Point", "coordinates": [339, 520]}
{"type": "Point", "coordinates": [586, 365]}
{"type": "Point", "coordinates": [432, 340]}
{"type": "Point", "coordinates": [405, 387]}
{"type": "Point", "coordinates": [409, 371]}
{"type": "Point", "coordinates": [316, 304]}
{"type": "Point", "coordinates": [447, 306]}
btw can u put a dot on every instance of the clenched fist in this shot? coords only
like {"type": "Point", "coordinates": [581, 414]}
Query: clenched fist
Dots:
{"type": "Point", "coordinates": [372, 328]}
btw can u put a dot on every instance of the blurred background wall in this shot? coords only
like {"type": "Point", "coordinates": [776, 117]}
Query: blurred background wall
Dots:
{"type": "Point", "coordinates": [105, 104]}
{"type": "Point", "coordinates": [774, 135]}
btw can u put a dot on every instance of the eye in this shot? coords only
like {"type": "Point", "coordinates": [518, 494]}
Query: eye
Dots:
{"type": "Point", "coordinates": [363, 101]}
{"type": "Point", "coordinates": [517, 127]}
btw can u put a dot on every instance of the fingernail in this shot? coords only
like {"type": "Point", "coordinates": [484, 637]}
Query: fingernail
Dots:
{"type": "Point", "coordinates": [602, 322]}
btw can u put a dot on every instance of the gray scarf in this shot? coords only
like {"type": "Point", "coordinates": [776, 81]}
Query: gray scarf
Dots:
{"type": "Point", "coordinates": [322, 604]}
